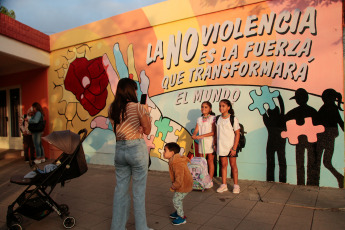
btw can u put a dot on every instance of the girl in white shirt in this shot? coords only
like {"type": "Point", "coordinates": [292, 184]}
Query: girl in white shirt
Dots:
{"type": "Point", "coordinates": [205, 128]}
{"type": "Point", "coordinates": [226, 142]}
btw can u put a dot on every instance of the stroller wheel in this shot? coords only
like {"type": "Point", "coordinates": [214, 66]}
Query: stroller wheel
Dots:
{"type": "Point", "coordinates": [69, 222]}
{"type": "Point", "coordinates": [17, 218]}
{"type": "Point", "coordinates": [64, 208]}
{"type": "Point", "coordinates": [16, 227]}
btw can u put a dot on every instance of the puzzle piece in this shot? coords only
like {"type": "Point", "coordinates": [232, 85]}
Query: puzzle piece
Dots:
{"type": "Point", "coordinates": [159, 146]}
{"type": "Point", "coordinates": [266, 97]}
{"type": "Point", "coordinates": [163, 127]}
{"type": "Point", "coordinates": [149, 142]}
{"type": "Point", "coordinates": [155, 116]}
{"type": "Point", "coordinates": [184, 140]}
{"type": "Point", "coordinates": [171, 137]}
{"type": "Point", "coordinates": [308, 129]}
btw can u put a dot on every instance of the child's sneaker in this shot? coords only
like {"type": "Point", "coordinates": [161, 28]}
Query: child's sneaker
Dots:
{"type": "Point", "coordinates": [236, 189]}
{"type": "Point", "coordinates": [222, 188]}
{"type": "Point", "coordinates": [173, 215]}
{"type": "Point", "coordinates": [179, 220]}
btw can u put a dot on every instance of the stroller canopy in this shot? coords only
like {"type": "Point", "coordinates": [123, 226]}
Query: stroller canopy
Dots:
{"type": "Point", "coordinates": [65, 140]}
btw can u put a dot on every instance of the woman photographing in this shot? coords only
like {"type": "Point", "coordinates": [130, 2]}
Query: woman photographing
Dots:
{"type": "Point", "coordinates": [130, 120]}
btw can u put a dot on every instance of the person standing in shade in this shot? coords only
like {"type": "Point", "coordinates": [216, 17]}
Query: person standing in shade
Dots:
{"type": "Point", "coordinates": [29, 149]}
{"type": "Point", "coordinates": [130, 120]}
{"type": "Point", "coordinates": [299, 113]}
{"type": "Point", "coordinates": [38, 115]}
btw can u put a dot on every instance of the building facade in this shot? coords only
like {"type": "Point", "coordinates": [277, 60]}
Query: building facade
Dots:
{"type": "Point", "coordinates": [280, 63]}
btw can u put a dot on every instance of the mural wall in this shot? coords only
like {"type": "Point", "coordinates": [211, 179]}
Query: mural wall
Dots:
{"type": "Point", "coordinates": [279, 62]}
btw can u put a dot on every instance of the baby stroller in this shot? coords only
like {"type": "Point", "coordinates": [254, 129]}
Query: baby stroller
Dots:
{"type": "Point", "coordinates": [35, 202]}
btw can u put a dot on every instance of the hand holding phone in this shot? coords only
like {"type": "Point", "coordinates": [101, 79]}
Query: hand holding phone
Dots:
{"type": "Point", "coordinates": [143, 99]}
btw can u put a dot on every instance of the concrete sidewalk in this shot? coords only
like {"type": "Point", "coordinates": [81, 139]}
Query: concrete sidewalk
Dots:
{"type": "Point", "coordinates": [260, 205]}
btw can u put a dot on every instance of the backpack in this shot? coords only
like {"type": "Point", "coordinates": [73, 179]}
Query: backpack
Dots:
{"type": "Point", "coordinates": [199, 170]}
{"type": "Point", "coordinates": [242, 141]}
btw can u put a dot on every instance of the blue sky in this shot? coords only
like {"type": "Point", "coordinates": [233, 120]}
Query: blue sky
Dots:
{"type": "Point", "coordinates": [53, 16]}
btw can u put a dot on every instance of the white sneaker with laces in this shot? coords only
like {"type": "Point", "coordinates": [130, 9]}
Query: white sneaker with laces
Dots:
{"type": "Point", "coordinates": [236, 189]}
{"type": "Point", "coordinates": [222, 188]}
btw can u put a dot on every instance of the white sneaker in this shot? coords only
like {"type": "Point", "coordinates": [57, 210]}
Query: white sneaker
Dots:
{"type": "Point", "coordinates": [222, 188]}
{"type": "Point", "coordinates": [37, 161]}
{"type": "Point", "coordinates": [236, 189]}
{"type": "Point", "coordinates": [43, 160]}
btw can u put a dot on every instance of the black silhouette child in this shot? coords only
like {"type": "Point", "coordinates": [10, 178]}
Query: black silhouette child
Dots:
{"type": "Point", "coordinates": [329, 117]}
{"type": "Point", "coordinates": [299, 113]}
{"type": "Point", "coordinates": [275, 124]}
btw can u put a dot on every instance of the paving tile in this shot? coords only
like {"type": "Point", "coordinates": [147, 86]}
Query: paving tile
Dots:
{"type": "Point", "coordinates": [268, 207]}
{"type": "Point", "coordinates": [279, 193]}
{"type": "Point", "coordinates": [331, 198]}
{"type": "Point", "coordinates": [329, 219]}
{"type": "Point", "coordinates": [233, 212]}
{"type": "Point", "coordinates": [105, 225]}
{"type": "Point", "coordinates": [197, 217]}
{"type": "Point", "coordinates": [263, 217]}
{"type": "Point", "coordinates": [250, 224]}
{"type": "Point", "coordinates": [306, 213]}
{"type": "Point", "coordinates": [158, 222]}
{"type": "Point", "coordinates": [209, 228]}
{"type": "Point", "coordinates": [89, 221]}
{"type": "Point", "coordinates": [293, 222]}
{"type": "Point", "coordinates": [260, 205]}
{"type": "Point", "coordinates": [220, 198]}
{"type": "Point", "coordinates": [221, 222]}
{"type": "Point", "coordinates": [186, 226]}
{"type": "Point", "coordinates": [240, 203]}
{"type": "Point", "coordinates": [208, 208]}
{"type": "Point", "coordinates": [304, 196]}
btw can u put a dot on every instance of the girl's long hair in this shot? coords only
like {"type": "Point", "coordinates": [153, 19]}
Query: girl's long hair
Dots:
{"type": "Point", "coordinates": [230, 111]}
{"type": "Point", "coordinates": [125, 93]}
{"type": "Point", "coordinates": [210, 105]}
{"type": "Point", "coordinates": [330, 96]}
{"type": "Point", "coordinates": [38, 107]}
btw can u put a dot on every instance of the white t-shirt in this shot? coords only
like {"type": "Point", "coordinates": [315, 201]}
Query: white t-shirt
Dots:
{"type": "Point", "coordinates": [205, 126]}
{"type": "Point", "coordinates": [225, 135]}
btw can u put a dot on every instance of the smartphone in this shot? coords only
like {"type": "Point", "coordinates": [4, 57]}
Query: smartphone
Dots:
{"type": "Point", "coordinates": [143, 99]}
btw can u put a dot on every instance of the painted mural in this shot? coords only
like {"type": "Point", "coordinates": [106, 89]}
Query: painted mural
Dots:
{"type": "Point", "coordinates": [278, 62]}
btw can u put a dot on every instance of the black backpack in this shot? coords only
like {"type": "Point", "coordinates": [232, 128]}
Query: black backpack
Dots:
{"type": "Point", "coordinates": [242, 141]}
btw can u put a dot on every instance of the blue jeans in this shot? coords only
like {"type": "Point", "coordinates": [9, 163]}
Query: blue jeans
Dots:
{"type": "Point", "coordinates": [36, 138]}
{"type": "Point", "coordinates": [131, 160]}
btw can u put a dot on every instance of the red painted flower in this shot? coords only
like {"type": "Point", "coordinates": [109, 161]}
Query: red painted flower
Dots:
{"type": "Point", "coordinates": [88, 81]}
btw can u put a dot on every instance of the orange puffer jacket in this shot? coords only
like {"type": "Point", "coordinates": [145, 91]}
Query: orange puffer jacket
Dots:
{"type": "Point", "coordinates": [180, 175]}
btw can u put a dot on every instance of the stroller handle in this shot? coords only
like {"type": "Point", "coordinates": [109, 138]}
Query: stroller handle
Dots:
{"type": "Point", "coordinates": [84, 136]}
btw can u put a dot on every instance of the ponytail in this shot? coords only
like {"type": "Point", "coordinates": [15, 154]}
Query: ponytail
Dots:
{"type": "Point", "coordinates": [338, 98]}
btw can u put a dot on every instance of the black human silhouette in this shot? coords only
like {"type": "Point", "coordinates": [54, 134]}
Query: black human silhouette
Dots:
{"type": "Point", "coordinates": [328, 116]}
{"type": "Point", "coordinates": [275, 124]}
{"type": "Point", "coordinates": [299, 113]}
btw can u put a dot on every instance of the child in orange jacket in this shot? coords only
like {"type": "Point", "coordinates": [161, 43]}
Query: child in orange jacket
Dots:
{"type": "Point", "coordinates": [181, 178]}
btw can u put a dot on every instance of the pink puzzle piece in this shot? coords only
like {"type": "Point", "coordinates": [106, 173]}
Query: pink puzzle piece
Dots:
{"type": "Point", "coordinates": [149, 142]}
{"type": "Point", "coordinates": [308, 129]}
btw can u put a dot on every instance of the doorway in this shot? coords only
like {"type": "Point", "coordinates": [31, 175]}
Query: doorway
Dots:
{"type": "Point", "coordinates": [10, 112]}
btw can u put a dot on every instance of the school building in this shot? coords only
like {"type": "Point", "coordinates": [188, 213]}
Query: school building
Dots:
{"type": "Point", "coordinates": [280, 63]}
